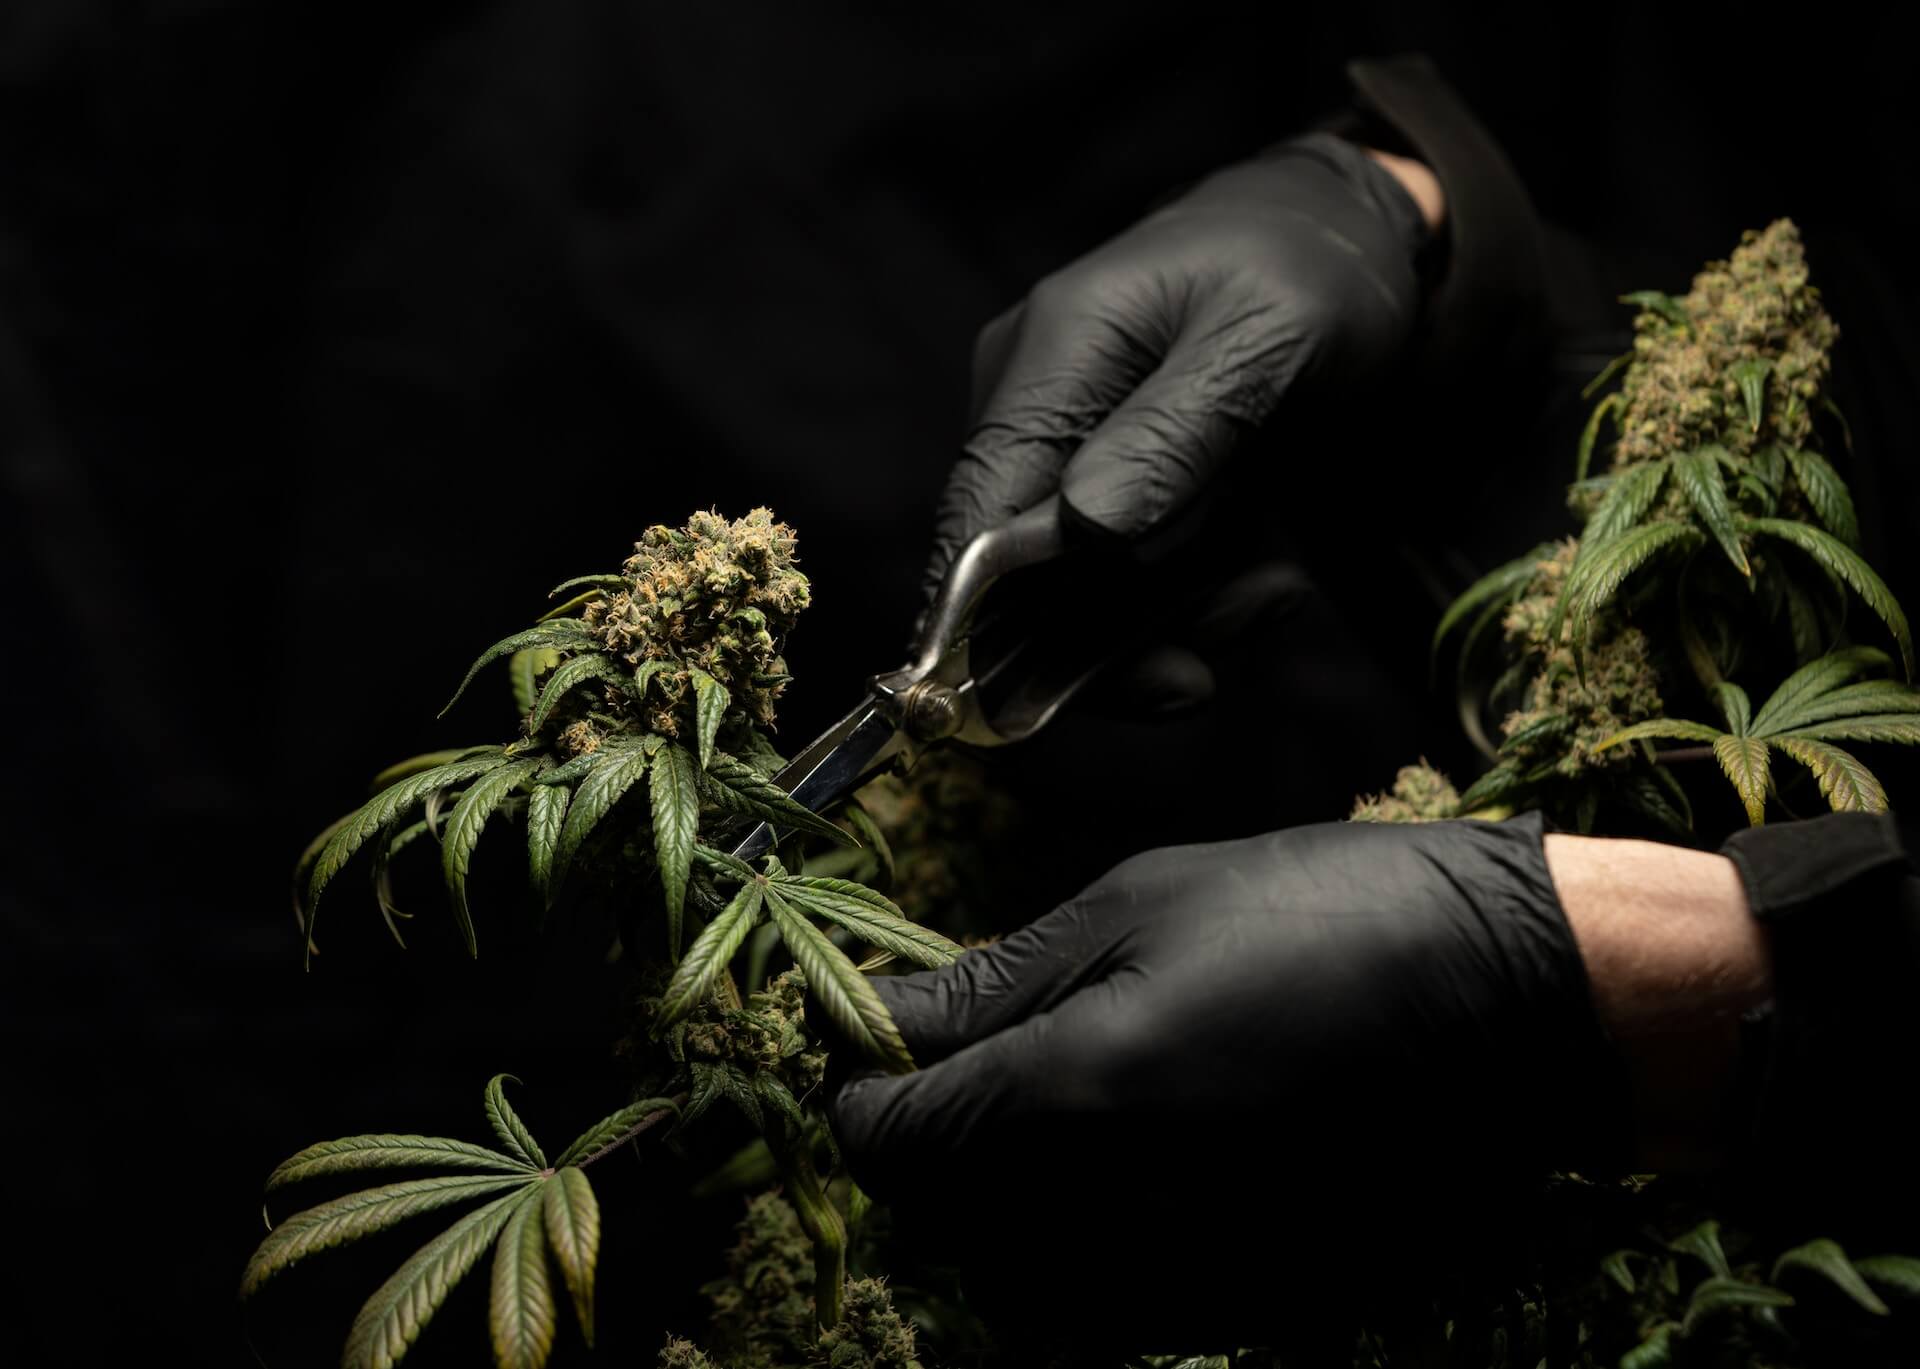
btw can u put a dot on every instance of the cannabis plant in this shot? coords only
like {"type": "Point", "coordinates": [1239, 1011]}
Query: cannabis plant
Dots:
{"type": "Point", "coordinates": [1717, 563]}
{"type": "Point", "coordinates": [538, 1214]}
{"type": "Point", "coordinates": [1687, 1291]}
{"type": "Point", "coordinates": [1720, 544]}
{"type": "Point", "coordinates": [668, 672]}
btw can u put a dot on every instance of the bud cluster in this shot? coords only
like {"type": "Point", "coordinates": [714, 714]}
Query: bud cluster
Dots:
{"type": "Point", "coordinates": [1681, 391]}
{"type": "Point", "coordinates": [714, 596]}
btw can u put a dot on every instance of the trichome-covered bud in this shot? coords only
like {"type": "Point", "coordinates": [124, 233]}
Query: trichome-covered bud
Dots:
{"type": "Point", "coordinates": [1419, 794]}
{"type": "Point", "coordinates": [767, 1035]}
{"type": "Point", "coordinates": [1754, 313]}
{"type": "Point", "coordinates": [713, 596]}
{"type": "Point", "coordinates": [870, 1334]}
{"type": "Point", "coordinates": [1572, 705]}
{"type": "Point", "coordinates": [577, 739]}
{"type": "Point", "coordinates": [683, 1354]}
{"type": "Point", "coordinates": [762, 1307]}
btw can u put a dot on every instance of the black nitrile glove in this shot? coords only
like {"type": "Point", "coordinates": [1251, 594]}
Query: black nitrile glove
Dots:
{"type": "Point", "coordinates": [1235, 1087]}
{"type": "Point", "coordinates": [1126, 380]}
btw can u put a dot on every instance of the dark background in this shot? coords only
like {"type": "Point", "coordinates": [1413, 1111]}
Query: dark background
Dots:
{"type": "Point", "coordinates": [329, 338]}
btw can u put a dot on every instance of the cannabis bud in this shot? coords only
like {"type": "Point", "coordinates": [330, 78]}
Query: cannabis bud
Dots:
{"type": "Point", "coordinates": [1751, 322]}
{"type": "Point", "coordinates": [713, 596]}
{"type": "Point", "coordinates": [1571, 706]}
{"type": "Point", "coordinates": [872, 1335]}
{"type": "Point", "coordinates": [1419, 794]}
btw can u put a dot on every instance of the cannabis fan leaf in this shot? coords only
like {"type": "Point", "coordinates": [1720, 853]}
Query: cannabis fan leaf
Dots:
{"type": "Point", "coordinates": [534, 1213]}
{"type": "Point", "coordinates": [1811, 710]}
{"type": "Point", "coordinates": [837, 984]}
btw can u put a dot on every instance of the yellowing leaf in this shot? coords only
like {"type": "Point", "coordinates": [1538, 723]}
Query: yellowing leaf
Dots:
{"type": "Point", "coordinates": [520, 1312]}
{"type": "Point", "coordinates": [1846, 784]}
{"type": "Point", "coordinates": [347, 1219]}
{"type": "Point", "coordinates": [1745, 761]}
{"type": "Point", "coordinates": [400, 1308]}
{"type": "Point", "coordinates": [351, 1153]}
{"type": "Point", "coordinates": [572, 1216]}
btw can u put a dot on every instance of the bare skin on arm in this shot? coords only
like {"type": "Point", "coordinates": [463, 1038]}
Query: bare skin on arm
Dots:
{"type": "Point", "coordinates": [1419, 182]}
{"type": "Point", "coordinates": [1673, 953]}
{"type": "Point", "coordinates": [1674, 957]}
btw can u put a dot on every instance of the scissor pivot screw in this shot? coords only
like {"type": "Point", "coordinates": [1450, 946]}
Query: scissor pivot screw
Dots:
{"type": "Point", "coordinates": [931, 710]}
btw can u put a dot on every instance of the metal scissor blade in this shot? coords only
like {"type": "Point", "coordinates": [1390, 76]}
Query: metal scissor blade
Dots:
{"type": "Point", "coordinates": [848, 754]}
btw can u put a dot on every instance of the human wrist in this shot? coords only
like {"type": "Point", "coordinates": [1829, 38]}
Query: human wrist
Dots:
{"type": "Point", "coordinates": [1418, 180]}
{"type": "Point", "coordinates": [1675, 959]}
{"type": "Point", "coordinates": [1666, 932]}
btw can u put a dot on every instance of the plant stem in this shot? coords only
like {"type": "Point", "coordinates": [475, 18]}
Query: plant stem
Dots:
{"type": "Point", "coordinates": [1681, 754]}
{"type": "Point", "coordinates": [822, 1222]}
{"type": "Point", "coordinates": [651, 1120]}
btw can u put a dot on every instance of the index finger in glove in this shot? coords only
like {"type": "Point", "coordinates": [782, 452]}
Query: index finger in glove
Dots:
{"type": "Point", "coordinates": [1045, 377]}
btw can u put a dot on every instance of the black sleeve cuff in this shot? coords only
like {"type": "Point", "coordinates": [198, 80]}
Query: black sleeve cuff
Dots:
{"type": "Point", "coordinates": [1821, 1143]}
{"type": "Point", "coordinates": [1487, 312]}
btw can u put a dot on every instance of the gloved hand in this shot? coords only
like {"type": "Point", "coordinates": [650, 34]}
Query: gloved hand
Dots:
{"type": "Point", "coordinates": [1126, 380]}
{"type": "Point", "coordinates": [1228, 1078]}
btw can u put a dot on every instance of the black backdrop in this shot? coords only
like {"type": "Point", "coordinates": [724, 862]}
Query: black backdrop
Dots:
{"type": "Point", "coordinates": [329, 337]}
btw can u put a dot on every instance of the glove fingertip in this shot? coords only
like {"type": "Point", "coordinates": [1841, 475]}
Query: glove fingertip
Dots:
{"type": "Point", "coordinates": [858, 1108]}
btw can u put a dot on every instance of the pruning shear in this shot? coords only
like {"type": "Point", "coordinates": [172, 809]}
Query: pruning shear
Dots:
{"type": "Point", "coordinates": [962, 684]}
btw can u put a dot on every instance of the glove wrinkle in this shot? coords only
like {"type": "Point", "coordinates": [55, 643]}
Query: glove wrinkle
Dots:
{"type": "Point", "coordinates": [1270, 1019]}
{"type": "Point", "coordinates": [1133, 374]}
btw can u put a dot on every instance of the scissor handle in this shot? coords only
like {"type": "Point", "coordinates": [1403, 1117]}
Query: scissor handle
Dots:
{"type": "Point", "coordinates": [1027, 539]}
